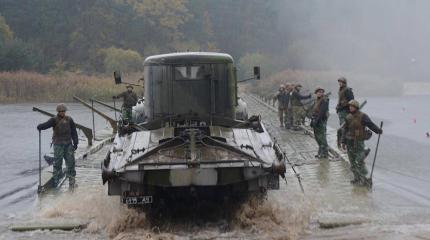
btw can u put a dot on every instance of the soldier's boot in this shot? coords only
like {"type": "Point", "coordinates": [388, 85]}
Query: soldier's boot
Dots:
{"type": "Point", "coordinates": [356, 180]}
{"type": "Point", "coordinates": [363, 181]}
{"type": "Point", "coordinates": [72, 184]}
{"type": "Point", "coordinates": [324, 151]}
{"type": "Point", "coordinates": [319, 153]}
{"type": "Point", "coordinates": [366, 152]}
{"type": "Point", "coordinates": [324, 154]}
{"type": "Point", "coordinates": [54, 183]}
{"type": "Point", "coordinates": [55, 180]}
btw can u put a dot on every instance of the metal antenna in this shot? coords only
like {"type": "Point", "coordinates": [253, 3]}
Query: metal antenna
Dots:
{"type": "Point", "coordinates": [92, 111]}
{"type": "Point", "coordinates": [39, 188]}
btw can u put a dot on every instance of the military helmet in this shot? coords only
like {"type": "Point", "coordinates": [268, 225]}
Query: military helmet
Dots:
{"type": "Point", "coordinates": [318, 89]}
{"type": "Point", "coordinates": [354, 103]}
{"type": "Point", "coordinates": [129, 86]}
{"type": "Point", "coordinates": [342, 79]}
{"type": "Point", "coordinates": [61, 107]}
{"type": "Point", "coordinates": [281, 86]}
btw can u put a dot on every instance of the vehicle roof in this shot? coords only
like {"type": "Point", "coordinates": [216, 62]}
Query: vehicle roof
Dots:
{"type": "Point", "coordinates": [189, 57]}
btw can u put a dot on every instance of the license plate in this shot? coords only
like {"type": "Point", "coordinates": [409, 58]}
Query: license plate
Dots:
{"type": "Point", "coordinates": [140, 200]}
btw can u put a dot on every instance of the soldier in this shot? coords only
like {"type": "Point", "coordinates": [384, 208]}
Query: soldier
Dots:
{"type": "Point", "coordinates": [345, 95]}
{"type": "Point", "coordinates": [65, 141]}
{"type": "Point", "coordinates": [297, 106]}
{"type": "Point", "coordinates": [288, 116]}
{"type": "Point", "coordinates": [319, 122]}
{"type": "Point", "coordinates": [129, 100]}
{"type": "Point", "coordinates": [353, 136]}
{"type": "Point", "coordinates": [281, 97]}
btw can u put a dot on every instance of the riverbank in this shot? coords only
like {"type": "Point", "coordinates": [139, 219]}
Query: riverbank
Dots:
{"type": "Point", "coordinates": [20, 87]}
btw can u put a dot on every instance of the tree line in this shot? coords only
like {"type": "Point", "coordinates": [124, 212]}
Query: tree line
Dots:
{"type": "Point", "coordinates": [97, 36]}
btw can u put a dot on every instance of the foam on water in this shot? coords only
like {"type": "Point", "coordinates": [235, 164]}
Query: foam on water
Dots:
{"type": "Point", "coordinates": [277, 217]}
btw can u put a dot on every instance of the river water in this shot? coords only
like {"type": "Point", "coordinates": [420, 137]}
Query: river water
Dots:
{"type": "Point", "coordinates": [398, 207]}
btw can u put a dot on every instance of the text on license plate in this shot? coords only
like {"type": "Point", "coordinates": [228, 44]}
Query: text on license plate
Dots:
{"type": "Point", "coordinates": [137, 200]}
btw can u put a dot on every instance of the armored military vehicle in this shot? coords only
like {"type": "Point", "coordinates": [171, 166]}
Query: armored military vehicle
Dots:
{"type": "Point", "coordinates": [192, 144]}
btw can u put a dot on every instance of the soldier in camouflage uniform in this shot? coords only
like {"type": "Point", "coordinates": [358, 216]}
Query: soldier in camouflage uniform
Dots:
{"type": "Point", "coordinates": [288, 116]}
{"type": "Point", "coordinates": [345, 95]}
{"type": "Point", "coordinates": [319, 122]}
{"type": "Point", "coordinates": [282, 99]}
{"type": "Point", "coordinates": [65, 141]}
{"type": "Point", "coordinates": [353, 136]}
{"type": "Point", "coordinates": [297, 106]}
{"type": "Point", "coordinates": [129, 101]}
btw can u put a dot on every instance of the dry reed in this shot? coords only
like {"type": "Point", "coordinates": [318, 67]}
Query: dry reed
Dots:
{"type": "Point", "coordinates": [34, 87]}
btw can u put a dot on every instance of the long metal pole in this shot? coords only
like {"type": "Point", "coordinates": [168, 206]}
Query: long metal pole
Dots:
{"type": "Point", "coordinates": [376, 152]}
{"type": "Point", "coordinates": [94, 127]}
{"type": "Point", "coordinates": [114, 106]}
{"type": "Point", "coordinates": [40, 161]}
{"type": "Point", "coordinates": [295, 173]}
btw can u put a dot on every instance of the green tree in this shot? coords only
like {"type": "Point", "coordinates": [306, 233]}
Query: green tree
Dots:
{"type": "Point", "coordinates": [73, 32]}
{"type": "Point", "coordinates": [5, 33]}
{"type": "Point", "coordinates": [120, 59]}
{"type": "Point", "coordinates": [19, 55]}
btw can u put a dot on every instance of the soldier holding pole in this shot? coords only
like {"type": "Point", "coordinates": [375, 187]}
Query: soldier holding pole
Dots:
{"type": "Point", "coordinates": [65, 141]}
{"type": "Point", "coordinates": [354, 133]}
{"type": "Point", "coordinates": [129, 101]}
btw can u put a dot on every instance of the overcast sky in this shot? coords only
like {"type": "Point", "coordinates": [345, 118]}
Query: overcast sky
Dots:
{"type": "Point", "coordinates": [390, 37]}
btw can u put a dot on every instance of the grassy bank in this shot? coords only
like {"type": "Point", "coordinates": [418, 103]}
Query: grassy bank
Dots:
{"type": "Point", "coordinates": [23, 86]}
{"type": "Point", "coordinates": [362, 84]}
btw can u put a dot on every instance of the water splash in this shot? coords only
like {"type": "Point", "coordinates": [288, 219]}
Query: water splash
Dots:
{"type": "Point", "coordinates": [277, 217]}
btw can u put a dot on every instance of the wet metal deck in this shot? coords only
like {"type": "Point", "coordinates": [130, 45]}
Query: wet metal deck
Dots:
{"type": "Point", "coordinates": [326, 184]}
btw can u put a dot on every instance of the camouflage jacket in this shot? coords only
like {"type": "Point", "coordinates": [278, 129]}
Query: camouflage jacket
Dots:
{"type": "Point", "coordinates": [129, 99]}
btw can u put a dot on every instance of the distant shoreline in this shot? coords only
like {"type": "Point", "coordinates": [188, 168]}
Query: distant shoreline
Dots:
{"type": "Point", "coordinates": [416, 88]}
{"type": "Point", "coordinates": [362, 84]}
{"type": "Point", "coordinates": [27, 87]}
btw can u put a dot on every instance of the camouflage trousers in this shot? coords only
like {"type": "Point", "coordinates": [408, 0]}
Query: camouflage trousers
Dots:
{"type": "Point", "coordinates": [67, 152]}
{"type": "Point", "coordinates": [126, 113]}
{"type": "Point", "coordinates": [298, 115]}
{"type": "Point", "coordinates": [288, 117]}
{"type": "Point", "coordinates": [281, 112]}
{"type": "Point", "coordinates": [342, 116]}
{"type": "Point", "coordinates": [320, 132]}
{"type": "Point", "coordinates": [356, 155]}
{"type": "Point", "coordinates": [284, 115]}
